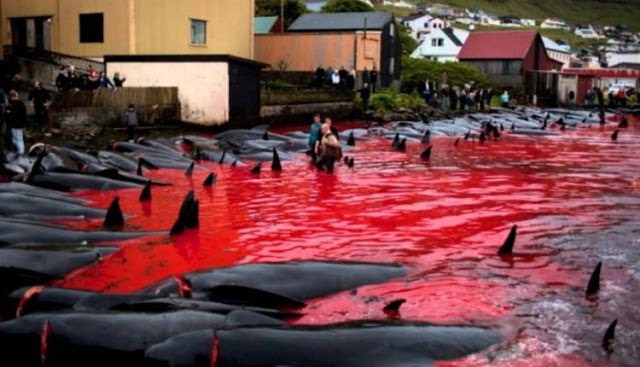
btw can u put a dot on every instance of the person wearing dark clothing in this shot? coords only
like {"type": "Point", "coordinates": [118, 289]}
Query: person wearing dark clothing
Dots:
{"type": "Point", "coordinates": [572, 99]}
{"type": "Point", "coordinates": [62, 81]}
{"type": "Point", "coordinates": [600, 96]}
{"type": "Point", "coordinates": [104, 82]}
{"type": "Point", "coordinates": [453, 98]}
{"type": "Point", "coordinates": [343, 73]}
{"type": "Point", "coordinates": [16, 118]}
{"type": "Point", "coordinates": [118, 80]}
{"type": "Point", "coordinates": [365, 76]}
{"type": "Point", "coordinates": [365, 95]}
{"type": "Point", "coordinates": [13, 83]}
{"type": "Point", "coordinates": [319, 76]}
{"type": "Point", "coordinates": [40, 98]}
{"type": "Point", "coordinates": [74, 82]}
{"type": "Point", "coordinates": [589, 99]}
{"type": "Point", "coordinates": [481, 98]}
{"type": "Point", "coordinates": [131, 119]}
{"type": "Point", "coordinates": [373, 76]}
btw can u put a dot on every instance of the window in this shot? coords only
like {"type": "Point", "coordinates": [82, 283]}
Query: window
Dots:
{"type": "Point", "coordinates": [434, 42]}
{"type": "Point", "coordinates": [440, 42]}
{"type": "Point", "coordinates": [392, 30]}
{"type": "Point", "coordinates": [198, 32]}
{"type": "Point", "coordinates": [426, 25]}
{"type": "Point", "coordinates": [435, 25]}
{"type": "Point", "coordinates": [92, 28]}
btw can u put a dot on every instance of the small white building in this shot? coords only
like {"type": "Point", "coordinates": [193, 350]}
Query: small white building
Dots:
{"type": "Point", "coordinates": [490, 19]}
{"type": "Point", "coordinates": [213, 89]}
{"type": "Point", "coordinates": [624, 60]}
{"type": "Point", "coordinates": [588, 32]}
{"type": "Point", "coordinates": [422, 24]}
{"type": "Point", "coordinates": [554, 24]}
{"type": "Point", "coordinates": [441, 45]}
{"type": "Point", "coordinates": [399, 4]}
{"type": "Point", "coordinates": [528, 22]}
{"type": "Point", "coordinates": [557, 52]}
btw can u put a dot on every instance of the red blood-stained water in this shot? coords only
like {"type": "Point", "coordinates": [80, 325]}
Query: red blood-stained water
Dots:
{"type": "Point", "coordinates": [574, 197]}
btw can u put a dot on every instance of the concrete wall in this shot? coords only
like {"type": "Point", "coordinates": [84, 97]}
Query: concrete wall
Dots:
{"type": "Point", "coordinates": [306, 51]}
{"type": "Point", "coordinates": [30, 71]}
{"type": "Point", "coordinates": [141, 26]}
{"type": "Point", "coordinates": [203, 86]}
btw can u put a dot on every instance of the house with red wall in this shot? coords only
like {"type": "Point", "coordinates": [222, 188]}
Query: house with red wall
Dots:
{"type": "Point", "coordinates": [507, 57]}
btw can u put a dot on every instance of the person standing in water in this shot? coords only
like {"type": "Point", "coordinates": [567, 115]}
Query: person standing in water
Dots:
{"type": "Point", "coordinates": [314, 133]}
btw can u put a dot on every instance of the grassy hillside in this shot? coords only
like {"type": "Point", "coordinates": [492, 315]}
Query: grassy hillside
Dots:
{"type": "Point", "coordinates": [611, 12]}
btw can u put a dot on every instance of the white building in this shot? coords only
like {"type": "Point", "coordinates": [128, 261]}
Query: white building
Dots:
{"type": "Point", "coordinates": [625, 60]}
{"type": "Point", "coordinates": [587, 33]}
{"type": "Point", "coordinates": [555, 24]}
{"type": "Point", "coordinates": [490, 19]}
{"type": "Point", "coordinates": [441, 45]}
{"type": "Point", "coordinates": [399, 4]}
{"type": "Point", "coordinates": [422, 24]}
{"type": "Point", "coordinates": [558, 52]}
{"type": "Point", "coordinates": [528, 22]}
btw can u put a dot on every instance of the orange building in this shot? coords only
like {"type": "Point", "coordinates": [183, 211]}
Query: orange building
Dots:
{"type": "Point", "coordinates": [358, 40]}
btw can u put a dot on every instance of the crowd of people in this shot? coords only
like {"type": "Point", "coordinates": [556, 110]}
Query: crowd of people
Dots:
{"type": "Point", "coordinates": [69, 80]}
{"type": "Point", "coordinates": [467, 97]}
{"type": "Point", "coordinates": [343, 79]}
{"type": "Point", "coordinates": [13, 117]}
{"type": "Point", "coordinates": [616, 98]}
{"type": "Point", "coordinates": [14, 114]}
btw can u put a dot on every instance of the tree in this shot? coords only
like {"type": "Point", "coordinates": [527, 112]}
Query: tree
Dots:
{"type": "Point", "coordinates": [408, 43]}
{"type": "Point", "coordinates": [416, 71]}
{"type": "Point", "coordinates": [345, 6]}
{"type": "Point", "coordinates": [292, 9]}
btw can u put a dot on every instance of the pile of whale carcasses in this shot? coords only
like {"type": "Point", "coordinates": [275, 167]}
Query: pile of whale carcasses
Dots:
{"type": "Point", "coordinates": [233, 316]}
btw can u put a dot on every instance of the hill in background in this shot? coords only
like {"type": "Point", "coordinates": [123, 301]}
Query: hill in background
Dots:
{"type": "Point", "coordinates": [603, 12]}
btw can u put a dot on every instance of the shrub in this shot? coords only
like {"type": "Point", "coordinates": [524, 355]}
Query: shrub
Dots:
{"type": "Point", "coordinates": [390, 100]}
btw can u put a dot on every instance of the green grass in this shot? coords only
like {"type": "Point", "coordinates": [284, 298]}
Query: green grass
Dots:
{"type": "Point", "coordinates": [572, 11]}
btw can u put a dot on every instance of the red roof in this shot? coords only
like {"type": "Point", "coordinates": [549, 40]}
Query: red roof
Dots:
{"type": "Point", "coordinates": [497, 45]}
{"type": "Point", "coordinates": [606, 73]}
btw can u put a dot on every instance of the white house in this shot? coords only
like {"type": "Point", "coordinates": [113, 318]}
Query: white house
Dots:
{"type": "Point", "coordinates": [399, 4]}
{"type": "Point", "coordinates": [624, 60]}
{"type": "Point", "coordinates": [528, 22]}
{"type": "Point", "coordinates": [422, 24]}
{"type": "Point", "coordinates": [555, 24]}
{"type": "Point", "coordinates": [558, 52]}
{"type": "Point", "coordinates": [441, 45]}
{"type": "Point", "coordinates": [490, 19]}
{"type": "Point", "coordinates": [588, 32]}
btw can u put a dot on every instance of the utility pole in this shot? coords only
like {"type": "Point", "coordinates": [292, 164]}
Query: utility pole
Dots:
{"type": "Point", "coordinates": [281, 16]}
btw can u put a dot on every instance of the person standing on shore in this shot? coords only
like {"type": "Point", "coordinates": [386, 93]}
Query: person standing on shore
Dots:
{"type": "Point", "coordinates": [365, 95]}
{"type": "Point", "coordinates": [118, 80]}
{"type": "Point", "coordinates": [131, 119]}
{"type": "Point", "coordinates": [373, 77]}
{"type": "Point", "coordinates": [504, 99]}
{"type": "Point", "coordinates": [40, 99]}
{"type": "Point", "coordinates": [16, 117]}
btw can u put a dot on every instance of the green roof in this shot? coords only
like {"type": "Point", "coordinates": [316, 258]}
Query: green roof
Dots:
{"type": "Point", "coordinates": [263, 25]}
